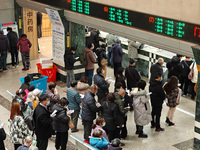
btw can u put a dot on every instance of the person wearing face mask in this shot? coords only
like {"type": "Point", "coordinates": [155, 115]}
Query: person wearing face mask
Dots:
{"type": "Point", "coordinates": [90, 60]}
{"type": "Point", "coordinates": [89, 109]}
{"type": "Point", "coordinates": [100, 123]}
{"type": "Point", "coordinates": [157, 98]}
{"type": "Point", "coordinates": [102, 85]}
{"type": "Point", "coordinates": [60, 124]}
{"type": "Point", "coordinates": [69, 64]}
{"type": "Point", "coordinates": [43, 122]}
{"type": "Point", "coordinates": [74, 104]}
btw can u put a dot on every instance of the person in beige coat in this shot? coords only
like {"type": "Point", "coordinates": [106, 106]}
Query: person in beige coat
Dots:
{"type": "Point", "coordinates": [194, 79]}
{"type": "Point", "coordinates": [90, 60]}
{"type": "Point", "coordinates": [142, 113]}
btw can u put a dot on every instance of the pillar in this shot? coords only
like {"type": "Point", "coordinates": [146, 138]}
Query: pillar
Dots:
{"type": "Point", "coordinates": [19, 17]}
{"type": "Point", "coordinates": [30, 29]}
{"type": "Point", "coordinates": [196, 52]}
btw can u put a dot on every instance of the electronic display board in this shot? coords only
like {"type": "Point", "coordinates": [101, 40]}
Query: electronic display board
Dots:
{"type": "Point", "coordinates": [155, 24]}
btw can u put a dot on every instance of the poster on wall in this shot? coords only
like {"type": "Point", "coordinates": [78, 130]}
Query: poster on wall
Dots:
{"type": "Point", "coordinates": [58, 36]}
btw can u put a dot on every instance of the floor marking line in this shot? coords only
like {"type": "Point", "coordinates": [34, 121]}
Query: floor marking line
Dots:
{"type": "Point", "coordinates": [186, 112]}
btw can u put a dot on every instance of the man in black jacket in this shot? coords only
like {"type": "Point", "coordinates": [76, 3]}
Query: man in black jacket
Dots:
{"type": "Point", "coordinates": [174, 66]}
{"type": "Point", "coordinates": [157, 98]}
{"type": "Point", "coordinates": [89, 109]}
{"type": "Point", "coordinates": [132, 75]}
{"type": "Point", "coordinates": [13, 39]}
{"type": "Point", "coordinates": [102, 85]}
{"type": "Point", "coordinates": [60, 124]}
{"type": "Point", "coordinates": [42, 122]}
{"type": "Point", "coordinates": [4, 47]}
{"type": "Point", "coordinates": [69, 65]}
{"type": "Point", "coordinates": [156, 68]}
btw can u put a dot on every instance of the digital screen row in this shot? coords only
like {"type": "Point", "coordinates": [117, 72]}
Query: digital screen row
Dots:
{"type": "Point", "coordinates": [155, 24]}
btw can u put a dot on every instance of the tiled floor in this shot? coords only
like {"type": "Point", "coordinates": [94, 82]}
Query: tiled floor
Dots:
{"type": "Point", "coordinates": [172, 138]}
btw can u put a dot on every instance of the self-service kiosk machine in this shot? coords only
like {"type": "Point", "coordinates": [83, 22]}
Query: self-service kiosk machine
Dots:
{"type": "Point", "coordinates": [14, 26]}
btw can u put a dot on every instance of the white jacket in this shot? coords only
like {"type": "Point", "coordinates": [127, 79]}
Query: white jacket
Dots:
{"type": "Point", "coordinates": [195, 76]}
{"type": "Point", "coordinates": [142, 113]}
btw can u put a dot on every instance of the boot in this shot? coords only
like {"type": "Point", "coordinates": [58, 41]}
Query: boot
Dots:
{"type": "Point", "coordinates": [167, 120]}
{"type": "Point", "coordinates": [137, 130]}
{"type": "Point", "coordinates": [153, 124]}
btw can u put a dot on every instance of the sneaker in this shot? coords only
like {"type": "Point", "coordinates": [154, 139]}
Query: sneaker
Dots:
{"type": "Point", "coordinates": [75, 130]}
{"type": "Point", "coordinates": [171, 124]}
{"type": "Point", "coordinates": [13, 67]}
{"type": "Point", "coordinates": [87, 142]}
{"type": "Point", "coordinates": [16, 66]}
{"type": "Point", "coordinates": [159, 129]}
{"type": "Point", "coordinates": [143, 135]}
{"type": "Point", "coordinates": [24, 69]}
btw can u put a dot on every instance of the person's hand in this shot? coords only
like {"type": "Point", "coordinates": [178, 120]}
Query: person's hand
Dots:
{"type": "Point", "coordinates": [69, 113]}
{"type": "Point", "coordinates": [55, 91]}
{"type": "Point", "coordinates": [108, 82]}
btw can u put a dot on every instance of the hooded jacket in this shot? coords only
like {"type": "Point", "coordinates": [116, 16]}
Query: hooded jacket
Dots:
{"type": "Point", "coordinates": [60, 121]}
{"type": "Point", "coordinates": [98, 143]}
{"type": "Point", "coordinates": [90, 59]}
{"type": "Point", "coordinates": [142, 113]}
{"type": "Point", "coordinates": [175, 67]}
{"type": "Point", "coordinates": [117, 53]}
{"type": "Point", "coordinates": [111, 39]}
{"type": "Point", "coordinates": [133, 49]}
{"type": "Point", "coordinates": [13, 39]}
{"type": "Point", "coordinates": [69, 60]}
{"type": "Point", "coordinates": [4, 43]}
{"type": "Point", "coordinates": [24, 44]}
{"type": "Point", "coordinates": [158, 94]}
{"type": "Point", "coordinates": [102, 85]}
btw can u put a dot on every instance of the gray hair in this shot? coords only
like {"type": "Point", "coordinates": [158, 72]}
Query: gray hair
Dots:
{"type": "Point", "coordinates": [160, 60]}
{"type": "Point", "coordinates": [29, 139]}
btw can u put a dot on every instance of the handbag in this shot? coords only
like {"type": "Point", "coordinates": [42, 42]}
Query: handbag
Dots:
{"type": "Point", "coordinates": [70, 124]}
{"type": "Point", "coordinates": [191, 73]}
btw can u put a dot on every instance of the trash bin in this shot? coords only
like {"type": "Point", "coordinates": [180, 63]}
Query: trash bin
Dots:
{"type": "Point", "coordinates": [49, 72]}
{"type": "Point", "coordinates": [39, 84]}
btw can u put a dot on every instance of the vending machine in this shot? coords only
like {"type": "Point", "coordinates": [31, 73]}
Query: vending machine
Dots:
{"type": "Point", "coordinates": [14, 26]}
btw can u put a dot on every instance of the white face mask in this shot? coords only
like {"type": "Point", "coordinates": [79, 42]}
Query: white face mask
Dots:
{"type": "Point", "coordinates": [103, 72]}
{"type": "Point", "coordinates": [104, 124]}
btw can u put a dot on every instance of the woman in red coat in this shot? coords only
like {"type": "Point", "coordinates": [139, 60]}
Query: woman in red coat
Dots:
{"type": "Point", "coordinates": [25, 46]}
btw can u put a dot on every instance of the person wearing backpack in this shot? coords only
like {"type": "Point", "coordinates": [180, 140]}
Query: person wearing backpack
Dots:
{"type": "Point", "coordinates": [90, 60]}
{"type": "Point", "coordinates": [184, 81]}
{"type": "Point", "coordinates": [60, 124]}
{"type": "Point", "coordinates": [69, 64]}
{"type": "Point", "coordinates": [13, 39]}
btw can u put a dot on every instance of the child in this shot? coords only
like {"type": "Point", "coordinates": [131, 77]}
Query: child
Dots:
{"type": "Point", "coordinates": [141, 107]}
{"type": "Point", "coordinates": [98, 141]}
{"type": "Point", "coordinates": [115, 145]}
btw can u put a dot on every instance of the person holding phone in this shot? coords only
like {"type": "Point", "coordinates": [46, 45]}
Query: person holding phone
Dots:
{"type": "Point", "coordinates": [52, 92]}
{"type": "Point", "coordinates": [2, 137]}
{"type": "Point", "coordinates": [69, 64]}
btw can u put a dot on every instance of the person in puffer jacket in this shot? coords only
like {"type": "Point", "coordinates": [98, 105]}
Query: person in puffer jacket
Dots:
{"type": "Point", "coordinates": [141, 107]}
{"type": "Point", "coordinates": [60, 124]}
{"type": "Point", "coordinates": [98, 141]}
{"type": "Point", "coordinates": [25, 46]}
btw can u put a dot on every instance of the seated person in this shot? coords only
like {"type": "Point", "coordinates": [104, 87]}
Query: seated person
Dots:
{"type": "Point", "coordinates": [98, 141]}
{"type": "Point", "coordinates": [115, 145]}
